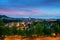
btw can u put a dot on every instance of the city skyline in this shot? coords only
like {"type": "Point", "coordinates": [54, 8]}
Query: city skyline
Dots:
{"type": "Point", "coordinates": [30, 8]}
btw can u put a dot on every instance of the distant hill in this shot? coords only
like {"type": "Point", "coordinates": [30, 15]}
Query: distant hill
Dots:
{"type": "Point", "coordinates": [7, 19]}
{"type": "Point", "coordinates": [10, 19]}
{"type": "Point", "coordinates": [3, 16]}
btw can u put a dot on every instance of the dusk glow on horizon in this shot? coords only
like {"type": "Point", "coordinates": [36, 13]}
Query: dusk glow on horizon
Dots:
{"type": "Point", "coordinates": [30, 8]}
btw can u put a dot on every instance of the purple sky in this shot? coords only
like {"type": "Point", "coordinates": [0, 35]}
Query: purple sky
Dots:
{"type": "Point", "coordinates": [30, 8]}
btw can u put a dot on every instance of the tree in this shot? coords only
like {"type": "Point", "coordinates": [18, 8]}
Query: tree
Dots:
{"type": "Point", "coordinates": [39, 29]}
{"type": "Point", "coordinates": [29, 32]}
{"type": "Point", "coordinates": [14, 30]}
{"type": "Point", "coordinates": [4, 31]}
{"type": "Point", "coordinates": [2, 23]}
{"type": "Point", "coordinates": [1, 30]}
{"type": "Point", "coordinates": [46, 31]}
{"type": "Point", "coordinates": [55, 28]}
{"type": "Point", "coordinates": [21, 32]}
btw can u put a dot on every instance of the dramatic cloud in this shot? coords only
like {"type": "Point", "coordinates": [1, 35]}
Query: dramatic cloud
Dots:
{"type": "Point", "coordinates": [33, 8]}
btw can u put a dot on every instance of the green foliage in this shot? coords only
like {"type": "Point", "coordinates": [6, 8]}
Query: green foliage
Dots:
{"type": "Point", "coordinates": [46, 31]}
{"type": "Point", "coordinates": [55, 28]}
{"type": "Point", "coordinates": [14, 30]}
{"type": "Point", "coordinates": [1, 29]}
{"type": "Point", "coordinates": [39, 29]}
{"type": "Point", "coordinates": [21, 32]}
{"type": "Point", "coordinates": [2, 23]}
{"type": "Point", "coordinates": [6, 31]}
{"type": "Point", "coordinates": [28, 32]}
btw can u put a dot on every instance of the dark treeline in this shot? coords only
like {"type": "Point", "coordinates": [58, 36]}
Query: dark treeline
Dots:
{"type": "Point", "coordinates": [45, 28]}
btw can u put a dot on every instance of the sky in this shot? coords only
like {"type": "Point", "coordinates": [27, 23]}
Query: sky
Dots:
{"type": "Point", "coordinates": [30, 8]}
